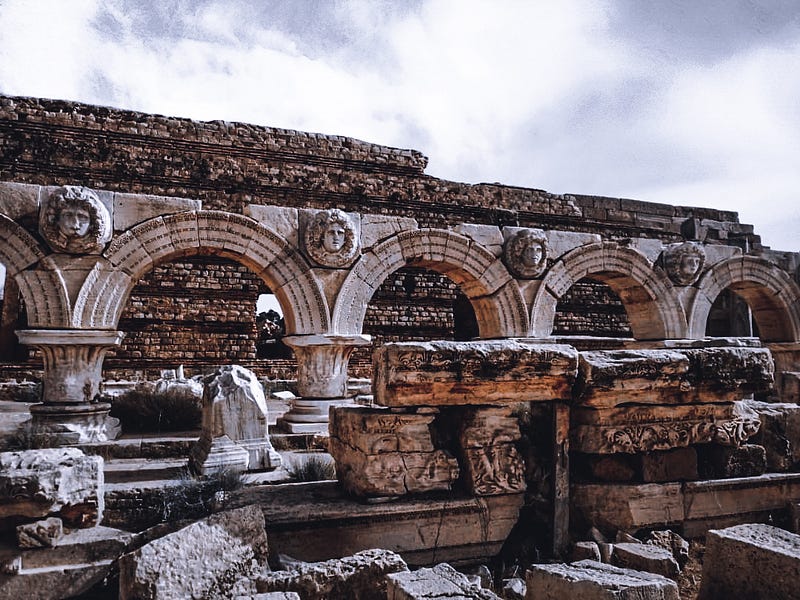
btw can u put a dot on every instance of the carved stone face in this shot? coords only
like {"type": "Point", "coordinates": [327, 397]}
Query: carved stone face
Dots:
{"type": "Point", "coordinates": [330, 239]}
{"type": "Point", "coordinates": [72, 219]}
{"type": "Point", "coordinates": [684, 262]}
{"type": "Point", "coordinates": [525, 253]}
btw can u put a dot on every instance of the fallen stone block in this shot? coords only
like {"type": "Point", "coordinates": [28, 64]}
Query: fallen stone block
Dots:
{"type": "Point", "coordinates": [358, 577]}
{"type": "Point", "coordinates": [591, 580]}
{"type": "Point", "coordinates": [62, 482]}
{"type": "Point", "coordinates": [632, 429]}
{"type": "Point", "coordinates": [40, 534]}
{"type": "Point", "coordinates": [678, 464]}
{"type": "Point", "coordinates": [585, 551]}
{"type": "Point", "coordinates": [748, 460]}
{"type": "Point", "coordinates": [753, 561]}
{"type": "Point", "coordinates": [670, 541]}
{"type": "Point", "coordinates": [607, 378]}
{"type": "Point", "coordinates": [779, 433]}
{"type": "Point", "coordinates": [480, 372]}
{"type": "Point", "coordinates": [441, 581]}
{"type": "Point", "coordinates": [646, 557]}
{"type": "Point", "coordinates": [205, 559]}
{"type": "Point", "coordinates": [514, 589]}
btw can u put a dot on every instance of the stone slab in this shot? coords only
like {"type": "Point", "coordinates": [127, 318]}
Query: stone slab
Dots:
{"type": "Point", "coordinates": [317, 521]}
{"type": "Point", "coordinates": [607, 378]}
{"type": "Point", "coordinates": [645, 557]}
{"type": "Point", "coordinates": [679, 464]}
{"type": "Point", "coordinates": [753, 561]}
{"type": "Point", "coordinates": [591, 580]}
{"type": "Point", "coordinates": [480, 372]}
{"type": "Point", "coordinates": [435, 583]}
{"type": "Point", "coordinates": [643, 428]}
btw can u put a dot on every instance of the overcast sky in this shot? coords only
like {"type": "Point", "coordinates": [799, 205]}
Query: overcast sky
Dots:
{"type": "Point", "coordinates": [692, 102]}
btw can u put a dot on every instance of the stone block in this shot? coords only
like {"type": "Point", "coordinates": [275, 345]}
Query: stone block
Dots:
{"type": "Point", "coordinates": [132, 209]}
{"type": "Point", "coordinates": [789, 387]}
{"type": "Point", "coordinates": [376, 228]}
{"type": "Point", "coordinates": [283, 221]}
{"type": "Point", "coordinates": [751, 561]}
{"type": "Point", "coordinates": [480, 372]}
{"type": "Point", "coordinates": [779, 433]}
{"type": "Point", "coordinates": [646, 557]}
{"type": "Point", "coordinates": [440, 581]}
{"type": "Point", "coordinates": [670, 541]}
{"type": "Point", "coordinates": [645, 428]}
{"type": "Point", "coordinates": [203, 560]}
{"type": "Point", "coordinates": [61, 482]}
{"type": "Point", "coordinates": [40, 534]}
{"type": "Point", "coordinates": [18, 200]}
{"type": "Point", "coordinates": [679, 464]}
{"type": "Point", "coordinates": [591, 580]}
{"type": "Point", "coordinates": [362, 576]}
{"type": "Point", "coordinates": [605, 467]}
{"type": "Point", "coordinates": [607, 378]}
{"type": "Point", "coordinates": [488, 236]}
{"type": "Point", "coordinates": [627, 507]}
{"type": "Point", "coordinates": [748, 460]}
{"type": "Point", "coordinates": [378, 431]}
{"type": "Point", "coordinates": [585, 551]}
{"type": "Point", "coordinates": [235, 433]}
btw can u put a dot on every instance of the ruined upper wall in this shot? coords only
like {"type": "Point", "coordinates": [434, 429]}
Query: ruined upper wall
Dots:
{"type": "Point", "coordinates": [229, 165]}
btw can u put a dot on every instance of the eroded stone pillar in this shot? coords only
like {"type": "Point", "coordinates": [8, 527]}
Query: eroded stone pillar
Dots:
{"type": "Point", "coordinates": [73, 363]}
{"type": "Point", "coordinates": [321, 378]}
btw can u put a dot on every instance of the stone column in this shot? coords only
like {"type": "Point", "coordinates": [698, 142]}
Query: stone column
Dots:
{"type": "Point", "coordinates": [73, 363]}
{"type": "Point", "coordinates": [321, 378]}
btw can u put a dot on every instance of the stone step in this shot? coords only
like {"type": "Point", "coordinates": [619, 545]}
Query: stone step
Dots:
{"type": "Point", "coordinates": [54, 583]}
{"type": "Point", "coordinates": [120, 470]}
{"type": "Point", "coordinates": [162, 445]}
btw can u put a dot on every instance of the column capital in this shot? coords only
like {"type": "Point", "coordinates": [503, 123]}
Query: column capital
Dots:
{"type": "Point", "coordinates": [326, 339]}
{"type": "Point", "coordinates": [70, 337]}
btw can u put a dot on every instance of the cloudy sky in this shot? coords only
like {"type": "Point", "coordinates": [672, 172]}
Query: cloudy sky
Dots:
{"type": "Point", "coordinates": [693, 102]}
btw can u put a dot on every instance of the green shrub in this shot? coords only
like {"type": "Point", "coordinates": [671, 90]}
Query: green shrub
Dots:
{"type": "Point", "coordinates": [145, 411]}
{"type": "Point", "coordinates": [311, 468]}
{"type": "Point", "coordinates": [193, 498]}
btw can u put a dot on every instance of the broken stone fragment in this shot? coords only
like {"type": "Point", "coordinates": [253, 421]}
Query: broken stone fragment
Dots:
{"type": "Point", "coordinates": [748, 460]}
{"type": "Point", "coordinates": [361, 576]}
{"type": "Point", "coordinates": [441, 581]}
{"type": "Point", "coordinates": [41, 534]}
{"type": "Point", "coordinates": [584, 551]}
{"type": "Point", "coordinates": [591, 580]}
{"type": "Point", "coordinates": [673, 542]}
{"type": "Point", "coordinates": [61, 482]}
{"type": "Point", "coordinates": [779, 433]}
{"type": "Point", "coordinates": [646, 557]}
{"type": "Point", "coordinates": [204, 560]}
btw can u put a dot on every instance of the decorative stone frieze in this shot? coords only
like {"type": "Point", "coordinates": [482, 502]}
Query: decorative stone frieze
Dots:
{"type": "Point", "coordinates": [607, 378]}
{"type": "Point", "coordinates": [633, 428]}
{"type": "Point", "coordinates": [525, 253]}
{"type": "Point", "coordinates": [332, 239]}
{"type": "Point", "coordinates": [480, 372]}
{"type": "Point", "coordinates": [684, 262]}
{"type": "Point", "coordinates": [492, 464]}
{"type": "Point", "coordinates": [380, 453]}
{"type": "Point", "coordinates": [73, 219]}
{"type": "Point", "coordinates": [235, 433]}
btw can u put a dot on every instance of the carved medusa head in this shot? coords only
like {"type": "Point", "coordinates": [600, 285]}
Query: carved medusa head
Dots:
{"type": "Point", "coordinates": [526, 253]}
{"type": "Point", "coordinates": [74, 220]}
{"type": "Point", "coordinates": [331, 239]}
{"type": "Point", "coordinates": [684, 262]}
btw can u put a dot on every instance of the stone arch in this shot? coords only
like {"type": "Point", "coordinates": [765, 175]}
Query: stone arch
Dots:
{"type": "Point", "coordinates": [220, 233]}
{"type": "Point", "coordinates": [482, 277]}
{"type": "Point", "coordinates": [652, 304]}
{"type": "Point", "coordinates": [18, 248]}
{"type": "Point", "coordinates": [773, 297]}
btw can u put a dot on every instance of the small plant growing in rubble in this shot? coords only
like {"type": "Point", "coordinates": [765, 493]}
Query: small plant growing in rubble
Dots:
{"type": "Point", "coordinates": [192, 498]}
{"type": "Point", "coordinates": [311, 468]}
{"type": "Point", "coordinates": [142, 410]}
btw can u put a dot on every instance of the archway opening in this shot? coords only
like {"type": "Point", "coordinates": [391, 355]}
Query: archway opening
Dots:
{"type": "Point", "coordinates": [730, 316]}
{"type": "Point", "coordinates": [414, 304]}
{"type": "Point", "coordinates": [591, 308]}
{"type": "Point", "coordinates": [12, 318]}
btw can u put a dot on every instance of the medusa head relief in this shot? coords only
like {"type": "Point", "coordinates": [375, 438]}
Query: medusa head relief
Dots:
{"type": "Point", "coordinates": [684, 262]}
{"type": "Point", "coordinates": [331, 239]}
{"type": "Point", "coordinates": [525, 253]}
{"type": "Point", "coordinates": [73, 220]}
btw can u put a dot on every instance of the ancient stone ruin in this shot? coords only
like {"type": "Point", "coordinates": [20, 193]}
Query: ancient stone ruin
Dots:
{"type": "Point", "coordinates": [500, 377]}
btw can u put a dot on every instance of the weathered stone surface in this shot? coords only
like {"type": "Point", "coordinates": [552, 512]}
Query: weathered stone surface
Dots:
{"type": "Point", "coordinates": [585, 551]}
{"type": "Point", "coordinates": [131, 209]}
{"type": "Point", "coordinates": [377, 431]}
{"type": "Point", "coordinates": [670, 541]}
{"type": "Point", "coordinates": [234, 420]}
{"type": "Point", "coordinates": [270, 596]}
{"type": "Point", "coordinates": [514, 588]}
{"type": "Point", "coordinates": [591, 580]}
{"type": "Point", "coordinates": [203, 560]}
{"type": "Point", "coordinates": [441, 581]}
{"type": "Point", "coordinates": [607, 378]}
{"type": "Point", "coordinates": [40, 534]}
{"type": "Point", "coordinates": [779, 433]}
{"type": "Point", "coordinates": [358, 577]}
{"type": "Point", "coordinates": [679, 464]}
{"type": "Point", "coordinates": [481, 372]}
{"type": "Point", "coordinates": [627, 507]}
{"type": "Point", "coordinates": [646, 557]}
{"type": "Point", "coordinates": [492, 464]}
{"type": "Point", "coordinates": [748, 460]}
{"type": "Point", "coordinates": [645, 428]}
{"type": "Point", "coordinates": [376, 228]}
{"type": "Point", "coordinates": [751, 561]}
{"type": "Point", "coordinates": [605, 467]}
{"type": "Point", "coordinates": [62, 482]}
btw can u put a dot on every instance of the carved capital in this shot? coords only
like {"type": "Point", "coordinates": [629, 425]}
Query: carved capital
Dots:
{"type": "Point", "coordinates": [322, 362]}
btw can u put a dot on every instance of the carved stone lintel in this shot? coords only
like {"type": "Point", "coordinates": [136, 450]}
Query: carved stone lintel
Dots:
{"type": "Point", "coordinates": [632, 429]}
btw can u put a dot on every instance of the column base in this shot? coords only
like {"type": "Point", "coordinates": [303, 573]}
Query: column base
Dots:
{"type": "Point", "coordinates": [309, 415]}
{"type": "Point", "coordinates": [218, 455]}
{"type": "Point", "coordinates": [68, 424]}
